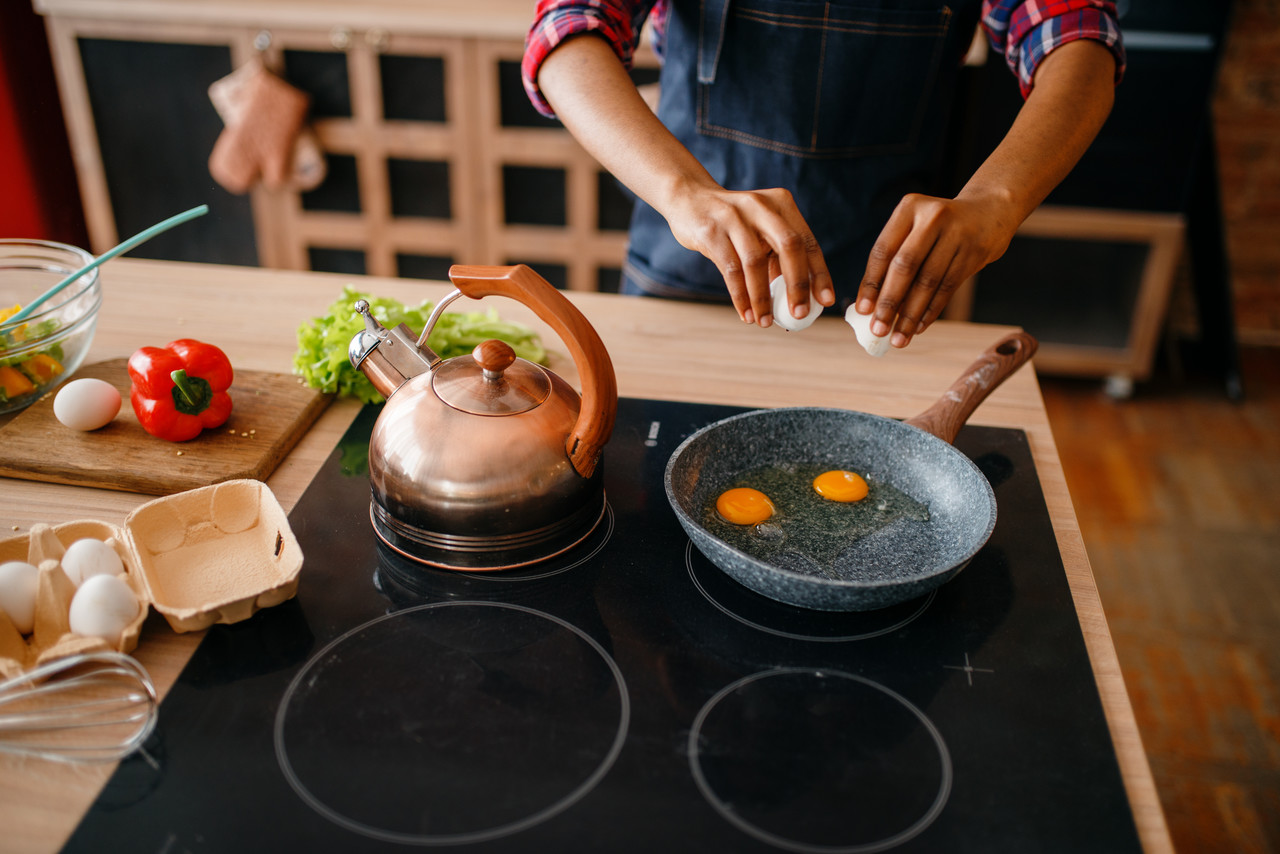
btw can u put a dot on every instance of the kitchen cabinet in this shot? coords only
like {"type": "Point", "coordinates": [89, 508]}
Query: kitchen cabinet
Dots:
{"type": "Point", "coordinates": [1092, 284]}
{"type": "Point", "coordinates": [434, 154]}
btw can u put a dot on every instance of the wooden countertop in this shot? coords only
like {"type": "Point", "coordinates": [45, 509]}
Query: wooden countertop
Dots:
{"type": "Point", "coordinates": [660, 349]}
{"type": "Point", "coordinates": [506, 19]}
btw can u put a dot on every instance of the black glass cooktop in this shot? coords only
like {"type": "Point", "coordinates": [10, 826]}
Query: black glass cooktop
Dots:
{"type": "Point", "coordinates": [630, 697]}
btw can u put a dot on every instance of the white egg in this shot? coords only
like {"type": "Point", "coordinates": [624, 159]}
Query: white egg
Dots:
{"type": "Point", "coordinates": [18, 583]}
{"type": "Point", "coordinates": [876, 345]}
{"type": "Point", "coordinates": [89, 557]}
{"type": "Point", "coordinates": [86, 404]}
{"type": "Point", "coordinates": [782, 311]}
{"type": "Point", "coordinates": [103, 607]}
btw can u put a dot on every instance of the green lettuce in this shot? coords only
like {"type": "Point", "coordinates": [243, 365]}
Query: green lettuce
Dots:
{"type": "Point", "coordinates": [322, 361]}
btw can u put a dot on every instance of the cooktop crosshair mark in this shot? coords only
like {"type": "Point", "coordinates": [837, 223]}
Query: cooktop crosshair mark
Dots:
{"type": "Point", "coordinates": [629, 697]}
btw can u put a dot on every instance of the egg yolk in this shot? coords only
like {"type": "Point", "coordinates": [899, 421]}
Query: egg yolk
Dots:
{"type": "Point", "coordinates": [840, 486]}
{"type": "Point", "coordinates": [744, 506]}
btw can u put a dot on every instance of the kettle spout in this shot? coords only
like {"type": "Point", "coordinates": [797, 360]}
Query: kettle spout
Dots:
{"type": "Point", "coordinates": [388, 357]}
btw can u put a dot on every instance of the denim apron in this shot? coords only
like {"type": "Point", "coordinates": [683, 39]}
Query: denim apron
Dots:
{"type": "Point", "coordinates": [842, 103]}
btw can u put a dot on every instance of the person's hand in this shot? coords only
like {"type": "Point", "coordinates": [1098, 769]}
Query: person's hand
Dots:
{"type": "Point", "coordinates": [752, 237]}
{"type": "Point", "coordinates": [929, 247]}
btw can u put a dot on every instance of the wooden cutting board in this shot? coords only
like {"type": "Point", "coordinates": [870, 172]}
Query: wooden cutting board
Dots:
{"type": "Point", "coordinates": [270, 414]}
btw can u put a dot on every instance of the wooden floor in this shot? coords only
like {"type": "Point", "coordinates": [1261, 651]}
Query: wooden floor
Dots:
{"type": "Point", "coordinates": [1178, 494]}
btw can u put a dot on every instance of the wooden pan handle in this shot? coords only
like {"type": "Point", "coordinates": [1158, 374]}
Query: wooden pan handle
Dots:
{"type": "Point", "coordinates": [945, 418]}
{"type": "Point", "coordinates": [595, 369]}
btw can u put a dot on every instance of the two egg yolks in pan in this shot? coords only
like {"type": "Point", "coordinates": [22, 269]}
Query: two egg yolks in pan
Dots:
{"type": "Point", "coordinates": [743, 505]}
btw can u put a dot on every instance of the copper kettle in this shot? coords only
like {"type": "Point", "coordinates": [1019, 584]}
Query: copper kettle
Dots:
{"type": "Point", "coordinates": [486, 461]}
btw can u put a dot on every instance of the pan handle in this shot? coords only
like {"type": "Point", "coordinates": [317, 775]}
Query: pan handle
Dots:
{"type": "Point", "coordinates": [945, 418]}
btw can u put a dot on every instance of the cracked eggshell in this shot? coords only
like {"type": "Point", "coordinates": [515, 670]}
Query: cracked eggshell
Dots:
{"type": "Point", "coordinates": [876, 345]}
{"type": "Point", "coordinates": [782, 311]}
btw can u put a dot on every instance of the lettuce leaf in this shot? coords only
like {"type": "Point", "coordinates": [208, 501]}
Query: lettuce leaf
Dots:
{"type": "Point", "coordinates": [321, 359]}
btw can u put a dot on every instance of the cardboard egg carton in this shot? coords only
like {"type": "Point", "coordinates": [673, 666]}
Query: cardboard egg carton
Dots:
{"type": "Point", "coordinates": [216, 554]}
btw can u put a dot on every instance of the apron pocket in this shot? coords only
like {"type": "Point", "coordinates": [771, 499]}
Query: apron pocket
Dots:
{"type": "Point", "coordinates": [815, 79]}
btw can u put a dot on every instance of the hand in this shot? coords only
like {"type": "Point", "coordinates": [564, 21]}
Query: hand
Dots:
{"type": "Point", "coordinates": [929, 247]}
{"type": "Point", "coordinates": [752, 237]}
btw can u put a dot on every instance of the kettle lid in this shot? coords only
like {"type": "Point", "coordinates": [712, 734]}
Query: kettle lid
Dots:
{"type": "Point", "coordinates": [491, 382]}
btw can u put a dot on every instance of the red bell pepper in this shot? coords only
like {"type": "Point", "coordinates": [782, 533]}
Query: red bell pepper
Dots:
{"type": "Point", "coordinates": [180, 389]}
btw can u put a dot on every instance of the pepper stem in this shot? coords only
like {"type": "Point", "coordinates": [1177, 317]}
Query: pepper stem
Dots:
{"type": "Point", "coordinates": [183, 383]}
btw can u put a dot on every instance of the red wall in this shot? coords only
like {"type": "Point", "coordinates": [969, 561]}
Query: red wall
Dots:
{"type": "Point", "coordinates": [39, 195]}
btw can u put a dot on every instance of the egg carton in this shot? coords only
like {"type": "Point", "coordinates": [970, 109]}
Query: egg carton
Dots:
{"type": "Point", "coordinates": [216, 554]}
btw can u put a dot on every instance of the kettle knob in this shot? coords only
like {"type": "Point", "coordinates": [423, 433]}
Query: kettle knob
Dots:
{"type": "Point", "coordinates": [599, 403]}
{"type": "Point", "coordinates": [493, 357]}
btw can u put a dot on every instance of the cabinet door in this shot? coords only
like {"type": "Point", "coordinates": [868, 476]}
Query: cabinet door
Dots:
{"type": "Point", "coordinates": [389, 111]}
{"type": "Point", "coordinates": [155, 127]}
{"type": "Point", "coordinates": [544, 200]}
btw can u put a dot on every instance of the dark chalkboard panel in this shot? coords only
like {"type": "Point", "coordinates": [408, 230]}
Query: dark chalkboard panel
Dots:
{"type": "Point", "coordinates": [419, 188]}
{"type": "Point", "coordinates": [534, 195]}
{"type": "Point", "coordinates": [323, 76]}
{"type": "Point", "coordinates": [414, 266]}
{"type": "Point", "coordinates": [615, 203]}
{"type": "Point", "coordinates": [608, 279]}
{"type": "Point", "coordinates": [1079, 292]}
{"type": "Point", "coordinates": [340, 190]}
{"type": "Point", "coordinates": [556, 274]}
{"type": "Point", "coordinates": [156, 127]}
{"type": "Point", "coordinates": [349, 262]}
{"type": "Point", "coordinates": [413, 88]}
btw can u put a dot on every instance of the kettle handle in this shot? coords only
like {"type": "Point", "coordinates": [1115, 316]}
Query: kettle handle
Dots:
{"type": "Point", "coordinates": [595, 369]}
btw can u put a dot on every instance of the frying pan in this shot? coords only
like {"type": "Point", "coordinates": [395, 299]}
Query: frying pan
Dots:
{"type": "Point", "coordinates": [900, 561]}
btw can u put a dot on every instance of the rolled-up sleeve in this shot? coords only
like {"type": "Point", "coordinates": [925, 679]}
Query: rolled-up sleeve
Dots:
{"type": "Point", "coordinates": [1026, 31]}
{"type": "Point", "coordinates": [618, 21]}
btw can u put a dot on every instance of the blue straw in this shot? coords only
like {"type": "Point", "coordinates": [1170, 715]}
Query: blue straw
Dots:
{"type": "Point", "coordinates": [137, 240]}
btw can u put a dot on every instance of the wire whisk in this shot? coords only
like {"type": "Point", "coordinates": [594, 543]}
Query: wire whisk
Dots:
{"type": "Point", "coordinates": [91, 707]}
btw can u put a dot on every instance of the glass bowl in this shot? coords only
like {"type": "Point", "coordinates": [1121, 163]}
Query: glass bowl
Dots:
{"type": "Point", "coordinates": [43, 350]}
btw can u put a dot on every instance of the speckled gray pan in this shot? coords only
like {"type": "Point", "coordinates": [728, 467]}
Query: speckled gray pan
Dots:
{"type": "Point", "coordinates": [904, 560]}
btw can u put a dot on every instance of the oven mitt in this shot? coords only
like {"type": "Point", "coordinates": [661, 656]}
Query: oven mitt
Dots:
{"type": "Point", "coordinates": [265, 136]}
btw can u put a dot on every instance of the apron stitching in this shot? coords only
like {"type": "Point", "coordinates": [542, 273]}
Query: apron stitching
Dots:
{"type": "Point", "coordinates": [709, 129]}
{"type": "Point", "coordinates": [822, 63]}
{"type": "Point", "coordinates": [933, 68]}
{"type": "Point", "coordinates": [864, 27]}
{"type": "Point", "coordinates": [702, 39]}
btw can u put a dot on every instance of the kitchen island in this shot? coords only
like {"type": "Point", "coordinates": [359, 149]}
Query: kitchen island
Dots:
{"type": "Point", "coordinates": [661, 350]}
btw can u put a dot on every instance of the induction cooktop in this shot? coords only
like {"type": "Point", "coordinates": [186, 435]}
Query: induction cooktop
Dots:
{"type": "Point", "coordinates": [629, 697]}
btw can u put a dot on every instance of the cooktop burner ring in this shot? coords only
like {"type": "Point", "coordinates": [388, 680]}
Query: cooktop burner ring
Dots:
{"type": "Point", "coordinates": [416, 579]}
{"type": "Point", "coordinates": [580, 554]}
{"type": "Point", "coordinates": [750, 802]}
{"type": "Point", "coordinates": [345, 651]}
{"type": "Point", "coordinates": [892, 618]}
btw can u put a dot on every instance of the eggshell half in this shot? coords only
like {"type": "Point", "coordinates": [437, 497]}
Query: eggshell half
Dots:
{"type": "Point", "coordinates": [876, 345]}
{"type": "Point", "coordinates": [782, 310]}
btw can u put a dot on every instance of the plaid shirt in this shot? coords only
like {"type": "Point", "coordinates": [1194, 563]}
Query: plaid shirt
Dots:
{"type": "Point", "coordinates": [1024, 31]}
